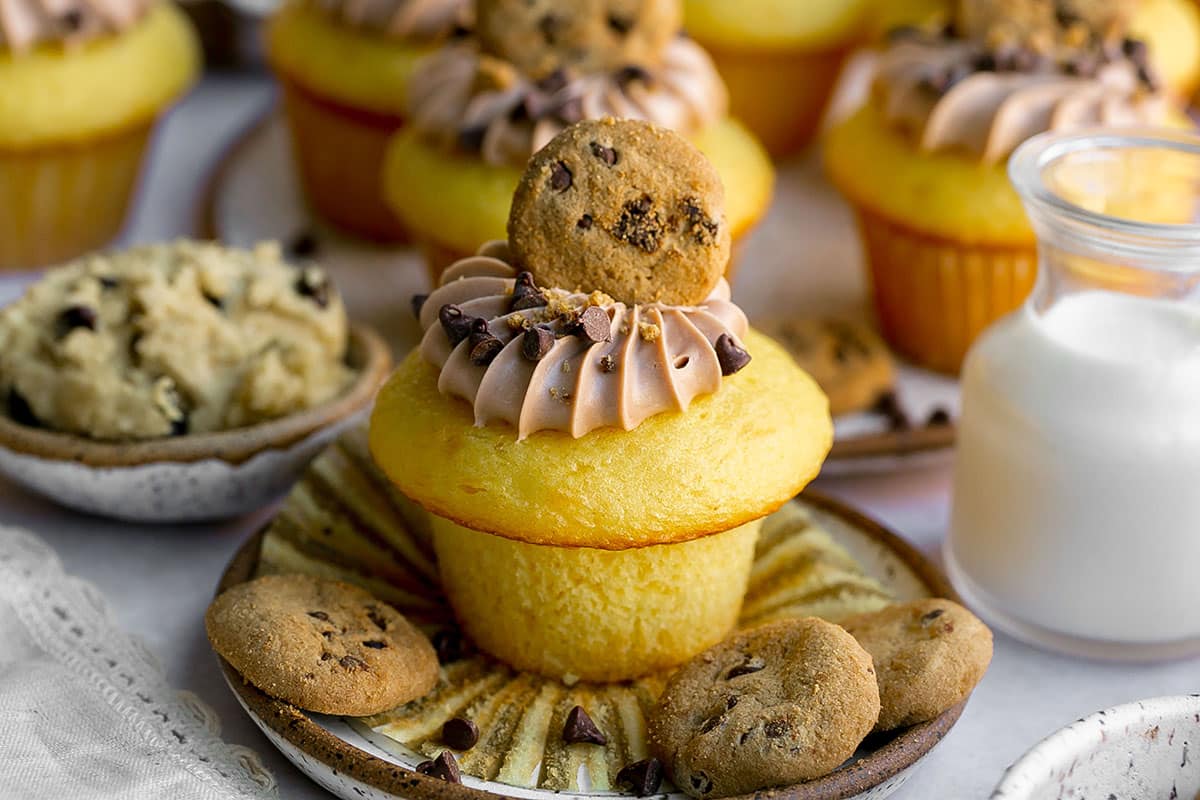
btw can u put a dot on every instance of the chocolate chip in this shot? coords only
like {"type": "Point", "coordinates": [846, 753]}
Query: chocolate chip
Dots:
{"type": "Point", "coordinates": [929, 618]}
{"type": "Point", "coordinates": [749, 667]}
{"type": "Point", "coordinates": [704, 229]}
{"type": "Point", "coordinates": [180, 426]}
{"type": "Point", "coordinates": [314, 285]}
{"type": "Point", "coordinates": [19, 410]}
{"type": "Point", "coordinates": [418, 302]}
{"type": "Point", "coordinates": [443, 767]}
{"type": "Point", "coordinates": [579, 728]}
{"type": "Point", "coordinates": [74, 317]}
{"type": "Point", "coordinates": [711, 723]}
{"type": "Point", "coordinates": [72, 20]}
{"type": "Point", "coordinates": [620, 25]}
{"type": "Point", "coordinates": [537, 342]}
{"type": "Point", "coordinates": [585, 222]}
{"type": "Point", "coordinates": [321, 615]}
{"type": "Point", "coordinates": [730, 702]}
{"type": "Point", "coordinates": [550, 26]}
{"type": "Point", "coordinates": [776, 729]}
{"type": "Point", "coordinates": [642, 777]}
{"type": "Point", "coordinates": [471, 139]}
{"type": "Point", "coordinates": [570, 110]}
{"type": "Point", "coordinates": [606, 154]}
{"type": "Point", "coordinates": [554, 82]}
{"type": "Point", "coordinates": [214, 301]}
{"type": "Point", "coordinates": [639, 225]}
{"type": "Point", "coordinates": [352, 663]}
{"type": "Point", "coordinates": [375, 644]}
{"type": "Point", "coordinates": [376, 618]}
{"type": "Point", "coordinates": [594, 325]}
{"type": "Point", "coordinates": [483, 346]}
{"type": "Point", "coordinates": [560, 177]}
{"type": "Point", "coordinates": [701, 783]}
{"type": "Point", "coordinates": [888, 405]}
{"type": "Point", "coordinates": [460, 734]}
{"type": "Point", "coordinates": [450, 646]}
{"type": "Point", "coordinates": [526, 294]}
{"type": "Point", "coordinates": [456, 324]}
{"type": "Point", "coordinates": [109, 282]}
{"type": "Point", "coordinates": [303, 245]}
{"type": "Point", "coordinates": [608, 364]}
{"type": "Point", "coordinates": [732, 357]}
{"type": "Point", "coordinates": [938, 418]}
{"type": "Point", "coordinates": [631, 74]}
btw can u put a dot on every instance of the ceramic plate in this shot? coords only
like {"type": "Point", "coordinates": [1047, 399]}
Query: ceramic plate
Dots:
{"type": "Point", "coordinates": [254, 195]}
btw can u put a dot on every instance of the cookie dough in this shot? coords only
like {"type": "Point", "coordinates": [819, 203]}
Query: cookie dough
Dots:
{"type": "Point", "coordinates": [623, 207]}
{"type": "Point", "coordinates": [929, 655]}
{"type": "Point", "coordinates": [774, 706]}
{"type": "Point", "coordinates": [172, 339]}
{"type": "Point", "coordinates": [322, 645]}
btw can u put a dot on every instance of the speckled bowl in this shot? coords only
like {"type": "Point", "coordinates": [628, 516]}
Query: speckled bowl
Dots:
{"type": "Point", "coordinates": [1149, 750]}
{"type": "Point", "coordinates": [204, 476]}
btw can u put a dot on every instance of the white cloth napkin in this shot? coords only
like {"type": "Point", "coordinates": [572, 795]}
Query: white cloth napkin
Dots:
{"type": "Point", "coordinates": [85, 711]}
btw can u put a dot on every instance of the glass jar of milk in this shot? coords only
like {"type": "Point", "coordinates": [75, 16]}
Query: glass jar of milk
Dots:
{"type": "Point", "coordinates": [1076, 512]}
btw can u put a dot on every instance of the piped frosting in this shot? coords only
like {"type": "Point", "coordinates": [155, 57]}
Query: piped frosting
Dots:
{"type": "Point", "coordinates": [26, 23]}
{"type": "Point", "coordinates": [402, 19]}
{"type": "Point", "coordinates": [542, 362]}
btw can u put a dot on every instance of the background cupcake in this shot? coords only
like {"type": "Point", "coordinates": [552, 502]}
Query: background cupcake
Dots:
{"type": "Point", "coordinates": [345, 68]}
{"type": "Point", "coordinates": [481, 106]}
{"type": "Point", "coordinates": [780, 60]}
{"type": "Point", "coordinates": [947, 242]}
{"type": "Point", "coordinates": [81, 87]}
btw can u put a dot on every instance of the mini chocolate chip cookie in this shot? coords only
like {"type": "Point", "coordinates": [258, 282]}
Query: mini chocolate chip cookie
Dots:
{"type": "Point", "coordinates": [779, 704]}
{"type": "Point", "coordinates": [625, 207]}
{"type": "Point", "coordinates": [543, 36]}
{"type": "Point", "coordinates": [929, 655]}
{"type": "Point", "coordinates": [1045, 23]}
{"type": "Point", "coordinates": [847, 359]}
{"type": "Point", "coordinates": [322, 645]}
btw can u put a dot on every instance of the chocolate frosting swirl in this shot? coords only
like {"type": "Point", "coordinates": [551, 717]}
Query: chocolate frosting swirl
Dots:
{"type": "Point", "coordinates": [952, 95]}
{"type": "Point", "coordinates": [25, 23]}
{"type": "Point", "coordinates": [656, 358]}
{"type": "Point", "coordinates": [462, 99]}
{"type": "Point", "coordinates": [402, 19]}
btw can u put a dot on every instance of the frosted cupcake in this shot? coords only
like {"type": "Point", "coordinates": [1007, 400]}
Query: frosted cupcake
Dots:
{"type": "Point", "coordinates": [481, 106]}
{"type": "Point", "coordinates": [345, 67]}
{"type": "Point", "coordinates": [81, 87]}
{"type": "Point", "coordinates": [597, 459]}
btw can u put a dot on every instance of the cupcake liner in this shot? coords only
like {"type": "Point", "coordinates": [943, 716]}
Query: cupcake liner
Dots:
{"type": "Point", "coordinates": [339, 153]}
{"type": "Point", "coordinates": [60, 202]}
{"type": "Point", "coordinates": [934, 295]}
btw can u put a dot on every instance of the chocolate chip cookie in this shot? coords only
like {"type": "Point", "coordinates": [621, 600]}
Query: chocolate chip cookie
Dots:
{"type": "Point", "coordinates": [322, 645]}
{"type": "Point", "coordinates": [1042, 24]}
{"type": "Point", "coordinates": [543, 36]}
{"type": "Point", "coordinates": [624, 207]}
{"type": "Point", "coordinates": [847, 359]}
{"type": "Point", "coordinates": [929, 655]}
{"type": "Point", "coordinates": [779, 704]}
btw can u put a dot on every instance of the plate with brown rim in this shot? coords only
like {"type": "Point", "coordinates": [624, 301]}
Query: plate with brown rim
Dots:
{"type": "Point", "coordinates": [816, 556]}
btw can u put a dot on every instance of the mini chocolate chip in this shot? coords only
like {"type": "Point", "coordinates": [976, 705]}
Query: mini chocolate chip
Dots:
{"type": "Point", "coordinates": [640, 225]}
{"type": "Point", "coordinates": [450, 646]}
{"type": "Point", "coordinates": [537, 342]}
{"type": "Point", "coordinates": [303, 245]}
{"type": "Point", "coordinates": [704, 229]}
{"type": "Point", "coordinates": [376, 618]}
{"type": "Point", "coordinates": [888, 405]}
{"type": "Point", "coordinates": [560, 177]}
{"type": "Point", "coordinates": [550, 26]}
{"type": "Point", "coordinates": [749, 667]}
{"type": "Point", "coordinates": [484, 347]}
{"type": "Point", "coordinates": [730, 702]}
{"type": "Point", "coordinates": [214, 301]}
{"type": "Point", "coordinates": [471, 139]}
{"type": "Point", "coordinates": [701, 783]}
{"type": "Point", "coordinates": [938, 418]}
{"type": "Point", "coordinates": [314, 285]}
{"type": "Point", "coordinates": [375, 644]}
{"type": "Point", "coordinates": [456, 324]}
{"type": "Point", "coordinates": [932, 615]}
{"type": "Point", "coordinates": [109, 282]}
{"type": "Point", "coordinates": [608, 364]}
{"type": "Point", "coordinates": [594, 325]}
{"type": "Point", "coordinates": [418, 302]}
{"type": "Point", "coordinates": [352, 663]}
{"type": "Point", "coordinates": [72, 20]}
{"type": "Point", "coordinates": [321, 615]}
{"type": "Point", "coordinates": [326, 656]}
{"type": "Point", "coordinates": [180, 426]}
{"type": "Point", "coordinates": [732, 357]}
{"type": "Point", "coordinates": [74, 317]}
{"type": "Point", "coordinates": [631, 74]}
{"type": "Point", "coordinates": [620, 25]}
{"type": "Point", "coordinates": [776, 729]}
{"type": "Point", "coordinates": [460, 734]}
{"type": "Point", "coordinates": [606, 154]}
{"type": "Point", "coordinates": [1135, 49]}
{"type": "Point", "coordinates": [19, 410]}
{"type": "Point", "coordinates": [526, 294]}
{"type": "Point", "coordinates": [642, 777]}
{"type": "Point", "coordinates": [570, 110]}
{"type": "Point", "coordinates": [460, 31]}
{"type": "Point", "coordinates": [579, 728]}
{"type": "Point", "coordinates": [443, 767]}
{"type": "Point", "coordinates": [328, 635]}
{"type": "Point", "coordinates": [711, 723]}
{"type": "Point", "coordinates": [585, 222]}
{"type": "Point", "coordinates": [554, 82]}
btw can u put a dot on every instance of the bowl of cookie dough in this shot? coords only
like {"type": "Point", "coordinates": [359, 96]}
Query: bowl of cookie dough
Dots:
{"type": "Point", "coordinates": [1147, 749]}
{"type": "Point", "coordinates": [178, 382]}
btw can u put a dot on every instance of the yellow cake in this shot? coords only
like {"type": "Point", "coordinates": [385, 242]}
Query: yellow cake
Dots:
{"type": "Point", "coordinates": [77, 106]}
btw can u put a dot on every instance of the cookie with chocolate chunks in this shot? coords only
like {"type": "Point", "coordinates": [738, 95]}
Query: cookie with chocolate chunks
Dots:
{"type": "Point", "coordinates": [322, 645]}
{"type": "Point", "coordinates": [773, 706]}
{"type": "Point", "coordinates": [541, 37]}
{"type": "Point", "coordinates": [625, 207]}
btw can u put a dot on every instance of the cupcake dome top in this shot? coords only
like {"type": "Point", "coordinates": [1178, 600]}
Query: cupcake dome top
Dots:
{"type": "Point", "coordinates": [25, 23]}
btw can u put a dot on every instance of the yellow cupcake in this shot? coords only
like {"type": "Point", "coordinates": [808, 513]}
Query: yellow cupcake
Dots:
{"type": "Point", "coordinates": [78, 101]}
{"type": "Point", "coordinates": [780, 60]}
{"type": "Point", "coordinates": [947, 243]}
{"type": "Point", "coordinates": [345, 69]}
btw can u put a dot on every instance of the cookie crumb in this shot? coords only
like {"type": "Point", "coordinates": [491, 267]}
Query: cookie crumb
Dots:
{"type": "Point", "coordinates": [649, 331]}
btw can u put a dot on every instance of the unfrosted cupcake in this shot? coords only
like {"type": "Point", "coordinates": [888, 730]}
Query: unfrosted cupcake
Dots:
{"type": "Point", "coordinates": [597, 459]}
{"type": "Point", "coordinates": [82, 85]}
{"type": "Point", "coordinates": [345, 67]}
{"type": "Point", "coordinates": [947, 241]}
{"type": "Point", "coordinates": [481, 106]}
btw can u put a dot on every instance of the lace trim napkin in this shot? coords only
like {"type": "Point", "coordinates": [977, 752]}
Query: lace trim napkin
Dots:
{"type": "Point", "coordinates": [85, 710]}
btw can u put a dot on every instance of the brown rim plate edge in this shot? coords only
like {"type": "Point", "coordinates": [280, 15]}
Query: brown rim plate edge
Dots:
{"type": "Point", "coordinates": [298, 728]}
{"type": "Point", "coordinates": [367, 352]}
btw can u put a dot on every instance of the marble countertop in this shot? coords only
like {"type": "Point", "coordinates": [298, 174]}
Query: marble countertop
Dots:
{"type": "Point", "coordinates": [160, 579]}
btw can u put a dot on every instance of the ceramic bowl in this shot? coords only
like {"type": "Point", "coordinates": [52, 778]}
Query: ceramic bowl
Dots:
{"type": "Point", "coordinates": [1149, 749]}
{"type": "Point", "coordinates": [189, 478]}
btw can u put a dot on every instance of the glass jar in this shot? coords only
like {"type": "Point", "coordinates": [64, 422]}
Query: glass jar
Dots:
{"type": "Point", "coordinates": [1076, 513]}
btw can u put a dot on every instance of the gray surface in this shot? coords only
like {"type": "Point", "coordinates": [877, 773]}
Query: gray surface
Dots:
{"type": "Point", "coordinates": [160, 579]}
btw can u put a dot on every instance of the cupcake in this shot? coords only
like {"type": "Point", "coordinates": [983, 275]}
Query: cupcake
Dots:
{"type": "Point", "coordinates": [345, 68]}
{"type": "Point", "coordinates": [923, 163]}
{"type": "Point", "coordinates": [780, 60]}
{"type": "Point", "coordinates": [81, 87]}
{"type": "Point", "coordinates": [597, 459]}
{"type": "Point", "coordinates": [481, 106]}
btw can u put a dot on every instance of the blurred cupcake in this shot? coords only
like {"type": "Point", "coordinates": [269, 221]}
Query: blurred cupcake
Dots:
{"type": "Point", "coordinates": [482, 105]}
{"type": "Point", "coordinates": [345, 67]}
{"type": "Point", "coordinates": [780, 60]}
{"type": "Point", "coordinates": [81, 87]}
{"type": "Point", "coordinates": [947, 242]}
